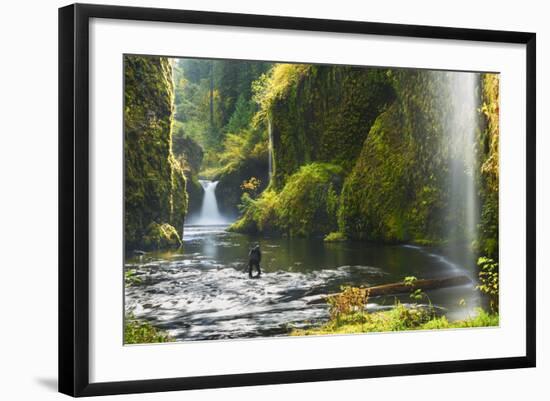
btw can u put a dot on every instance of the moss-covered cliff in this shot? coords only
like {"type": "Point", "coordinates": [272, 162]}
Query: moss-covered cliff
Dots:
{"type": "Point", "coordinates": [154, 193]}
{"type": "Point", "coordinates": [489, 158]}
{"type": "Point", "coordinates": [398, 187]}
{"type": "Point", "coordinates": [322, 114]}
{"type": "Point", "coordinates": [245, 157]}
{"type": "Point", "coordinates": [306, 206]}
{"type": "Point", "coordinates": [190, 155]}
{"type": "Point", "coordinates": [417, 152]}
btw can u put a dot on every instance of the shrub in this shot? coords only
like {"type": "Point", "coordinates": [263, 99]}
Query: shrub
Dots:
{"type": "Point", "coordinates": [306, 204]}
{"type": "Point", "coordinates": [335, 236]}
{"type": "Point", "coordinates": [140, 332]}
{"type": "Point", "coordinates": [304, 207]}
{"type": "Point", "coordinates": [349, 301]}
{"type": "Point", "coordinates": [131, 278]}
{"type": "Point", "coordinates": [161, 236]}
{"type": "Point", "coordinates": [488, 277]}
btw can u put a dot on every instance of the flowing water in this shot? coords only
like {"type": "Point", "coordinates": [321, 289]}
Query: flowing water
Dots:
{"type": "Point", "coordinates": [270, 149]}
{"type": "Point", "coordinates": [203, 292]}
{"type": "Point", "coordinates": [461, 128]}
{"type": "Point", "coordinates": [209, 213]}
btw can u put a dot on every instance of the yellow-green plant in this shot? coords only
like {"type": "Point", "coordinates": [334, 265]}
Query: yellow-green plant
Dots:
{"type": "Point", "coordinates": [488, 277]}
{"type": "Point", "coordinates": [141, 332]}
{"type": "Point", "coordinates": [131, 278]}
{"type": "Point", "coordinates": [251, 186]}
{"type": "Point", "coordinates": [350, 300]}
{"type": "Point", "coordinates": [417, 294]}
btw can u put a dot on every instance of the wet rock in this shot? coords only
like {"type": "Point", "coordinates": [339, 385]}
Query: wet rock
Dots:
{"type": "Point", "coordinates": [161, 236]}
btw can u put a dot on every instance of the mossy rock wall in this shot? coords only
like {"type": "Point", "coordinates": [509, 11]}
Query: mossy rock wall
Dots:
{"type": "Point", "coordinates": [154, 180]}
{"type": "Point", "coordinates": [190, 155]}
{"type": "Point", "coordinates": [399, 188]}
{"type": "Point", "coordinates": [324, 115]}
{"type": "Point", "coordinates": [305, 207]}
{"type": "Point", "coordinates": [402, 140]}
{"type": "Point", "coordinates": [228, 190]}
{"type": "Point", "coordinates": [489, 179]}
{"type": "Point", "coordinates": [251, 161]}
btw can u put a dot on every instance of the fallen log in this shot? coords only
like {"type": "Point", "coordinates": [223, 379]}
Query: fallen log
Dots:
{"type": "Point", "coordinates": [423, 284]}
{"type": "Point", "coordinates": [402, 288]}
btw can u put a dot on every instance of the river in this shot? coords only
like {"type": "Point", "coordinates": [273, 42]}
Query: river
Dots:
{"type": "Point", "coordinates": [202, 292]}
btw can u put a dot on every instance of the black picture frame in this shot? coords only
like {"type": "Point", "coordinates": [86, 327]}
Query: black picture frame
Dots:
{"type": "Point", "coordinates": [74, 198]}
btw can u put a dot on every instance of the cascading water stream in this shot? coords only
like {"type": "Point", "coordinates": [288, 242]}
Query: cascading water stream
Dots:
{"type": "Point", "coordinates": [209, 213]}
{"type": "Point", "coordinates": [270, 149]}
{"type": "Point", "coordinates": [461, 127]}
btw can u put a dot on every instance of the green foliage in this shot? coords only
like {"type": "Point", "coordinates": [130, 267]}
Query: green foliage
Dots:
{"type": "Point", "coordinates": [244, 155]}
{"type": "Point", "coordinates": [131, 278]}
{"type": "Point", "coordinates": [398, 189]}
{"type": "Point", "coordinates": [242, 116]}
{"type": "Point", "coordinates": [190, 155]}
{"type": "Point", "coordinates": [482, 319]}
{"type": "Point", "coordinates": [487, 243]}
{"type": "Point", "coordinates": [154, 180]}
{"type": "Point", "coordinates": [385, 129]}
{"type": "Point", "coordinates": [399, 318]}
{"type": "Point", "coordinates": [417, 294]}
{"type": "Point", "coordinates": [351, 300]}
{"type": "Point", "coordinates": [187, 151]}
{"type": "Point", "coordinates": [214, 97]}
{"type": "Point", "coordinates": [348, 314]}
{"type": "Point", "coordinates": [302, 208]}
{"type": "Point", "coordinates": [161, 236]}
{"type": "Point", "coordinates": [319, 113]}
{"type": "Point", "coordinates": [251, 186]}
{"type": "Point", "coordinates": [410, 281]}
{"type": "Point", "coordinates": [489, 280]}
{"type": "Point", "coordinates": [335, 236]}
{"type": "Point", "coordinates": [141, 332]}
{"type": "Point", "coordinates": [260, 215]}
{"type": "Point", "coordinates": [282, 78]}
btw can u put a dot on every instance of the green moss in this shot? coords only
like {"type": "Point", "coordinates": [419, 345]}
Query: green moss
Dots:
{"type": "Point", "coordinates": [489, 180]}
{"type": "Point", "coordinates": [321, 114]}
{"type": "Point", "coordinates": [245, 156]}
{"type": "Point", "coordinates": [141, 332]}
{"type": "Point", "coordinates": [195, 193]}
{"type": "Point", "coordinates": [399, 318]}
{"type": "Point", "coordinates": [190, 155]}
{"type": "Point", "coordinates": [161, 236]}
{"type": "Point", "coordinates": [260, 215]}
{"type": "Point", "coordinates": [335, 237]}
{"type": "Point", "coordinates": [398, 189]}
{"type": "Point", "coordinates": [131, 278]}
{"type": "Point", "coordinates": [304, 207]}
{"type": "Point", "coordinates": [154, 180]}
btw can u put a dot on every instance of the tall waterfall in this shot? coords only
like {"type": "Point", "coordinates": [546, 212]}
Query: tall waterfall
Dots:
{"type": "Point", "coordinates": [209, 213]}
{"type": "Point", "coordinates": [270, 149]}
{"type": "Point", "coordinates": [462, 125]}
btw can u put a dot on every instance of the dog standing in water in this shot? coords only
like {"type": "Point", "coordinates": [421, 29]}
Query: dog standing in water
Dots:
{"type": "Point", "coordinates": [254, 259]}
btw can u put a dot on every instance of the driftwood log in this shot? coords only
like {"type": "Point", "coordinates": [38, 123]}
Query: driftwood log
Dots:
{"type": "Point", "coordinates": [402, 288]}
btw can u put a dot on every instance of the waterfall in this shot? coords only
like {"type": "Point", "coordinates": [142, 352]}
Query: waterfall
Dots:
{"type": "Point", "coordinates": [209, 213]}
{"type": "Point", "coordinates": [461, 126]}
{"type": "Point", "coordinates": [270, 149]}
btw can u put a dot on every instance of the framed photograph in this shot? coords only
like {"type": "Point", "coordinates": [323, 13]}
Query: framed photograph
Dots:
{"type": "Point", "coordinates": [249, 199]}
